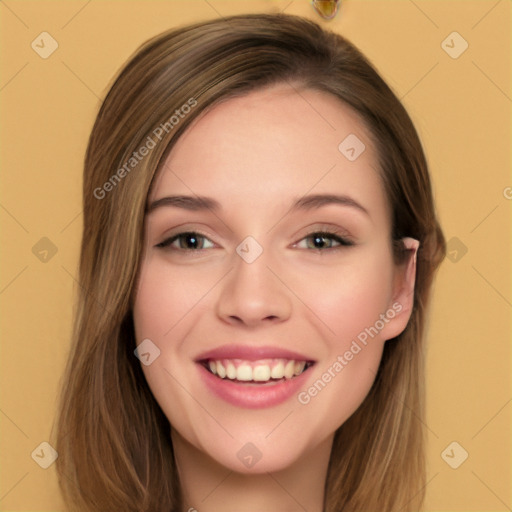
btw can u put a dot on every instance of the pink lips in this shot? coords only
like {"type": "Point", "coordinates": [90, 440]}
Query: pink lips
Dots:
{"type": "Point", "coordinates": [251, 395]}
{"type": "Point", "coordinates": [251, 353]}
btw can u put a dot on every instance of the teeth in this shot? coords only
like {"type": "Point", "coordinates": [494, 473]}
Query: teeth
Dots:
{"type": "Point", "coordinates": [244, 372]}
{"type": "Point", "coordinates": [231, 371]}
{"type": "Point", "coordinates": [289, 369]}
{"type": "Point", "coordinates": [299, 367]}
{"type": "Point", "coordinates": [257, 371]}
{"type": "Point", "coordinates": [278, 371]}
{"type": "Point", "coordinates": [221, 371]}
{"type": "Point", "coordinates": [261, 373]}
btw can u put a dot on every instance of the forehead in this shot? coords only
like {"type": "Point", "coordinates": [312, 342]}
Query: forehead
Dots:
{"type": "Point", "coordinates": [264, 148]}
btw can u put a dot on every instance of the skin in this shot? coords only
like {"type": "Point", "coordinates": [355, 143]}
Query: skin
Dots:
{"type": "Point", "coordinates": [256, 155]}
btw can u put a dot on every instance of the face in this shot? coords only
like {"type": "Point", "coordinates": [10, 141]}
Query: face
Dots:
{"type": "Point", "coordinates": [267, 281]}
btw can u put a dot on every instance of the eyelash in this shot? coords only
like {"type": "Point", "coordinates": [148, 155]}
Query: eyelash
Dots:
{"type": "Point", "coordinates": [341, 240]}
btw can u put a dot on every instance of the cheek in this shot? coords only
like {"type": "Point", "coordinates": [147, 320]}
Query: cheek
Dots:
{"type": "Point", "coordinates": [350, 302]}
{"type": "Point", "coordinates": [162, 309]}
{"type": "Point", "coordinates": [348, 298]}
{"type": "Point", "coordinates": [346, 373]}
{"type": "Point", "coordinates": [165, 296]}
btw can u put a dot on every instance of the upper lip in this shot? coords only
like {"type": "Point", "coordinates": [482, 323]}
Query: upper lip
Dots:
{"type": "Point", "coordinates": [251, 353]}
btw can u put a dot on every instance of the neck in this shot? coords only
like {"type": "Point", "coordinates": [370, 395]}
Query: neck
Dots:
{"type": "Point", "coordinates": [208, 486]}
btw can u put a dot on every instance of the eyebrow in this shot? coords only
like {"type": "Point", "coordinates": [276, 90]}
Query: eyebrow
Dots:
{"type": "Point", "coordinates": [192, 203]}
{"type": "Point", "coordinates": [318, 200]}
{"type": "Point", "coordinates": [199, 203]}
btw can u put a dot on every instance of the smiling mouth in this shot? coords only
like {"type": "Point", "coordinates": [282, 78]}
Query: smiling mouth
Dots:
{"type": "Point", "coordinates": [256, 372]}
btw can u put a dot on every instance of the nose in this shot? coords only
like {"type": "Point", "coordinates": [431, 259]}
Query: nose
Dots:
{"type": "Point", "coordinates": [253, 295]}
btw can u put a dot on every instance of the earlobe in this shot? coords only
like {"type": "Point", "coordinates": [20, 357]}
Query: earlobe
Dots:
{"type": "Point", "coordinates": [403, 293]}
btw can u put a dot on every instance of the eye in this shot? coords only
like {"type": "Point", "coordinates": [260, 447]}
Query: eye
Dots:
{"type": "Point", "coordinates": [323, 240]}
{"type": "Point", "coordinates": [189, 241]}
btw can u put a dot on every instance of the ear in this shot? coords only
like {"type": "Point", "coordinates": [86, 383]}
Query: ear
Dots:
{"type": "Point", "coordinates": [400, 308]}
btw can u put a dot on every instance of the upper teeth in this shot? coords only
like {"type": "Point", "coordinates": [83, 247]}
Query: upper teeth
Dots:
{"type": "Point", "coordinates": [259, 371]}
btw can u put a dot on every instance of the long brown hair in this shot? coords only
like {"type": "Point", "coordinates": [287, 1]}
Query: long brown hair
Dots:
{"type": "Point", "coordinates": [113, 440]}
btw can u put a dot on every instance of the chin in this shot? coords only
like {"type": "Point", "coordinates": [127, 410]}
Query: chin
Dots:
{"type": "Point", "coordinates": [251, 459]}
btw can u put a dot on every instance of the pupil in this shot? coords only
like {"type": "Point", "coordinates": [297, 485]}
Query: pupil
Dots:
{"type": "Point", "coordinates": [319, 241]}
{"type": "Point", "coordinates": [191, 241]}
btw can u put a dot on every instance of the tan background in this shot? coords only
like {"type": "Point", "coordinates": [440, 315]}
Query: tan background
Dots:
{"type": "Point", "coordinates": [462, 108]}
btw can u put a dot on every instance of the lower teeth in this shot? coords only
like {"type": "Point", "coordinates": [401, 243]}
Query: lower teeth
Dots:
{"type": "Point", "coordinates": [282, 379]}
{"type": "Point", "coordinates": [259, 382]}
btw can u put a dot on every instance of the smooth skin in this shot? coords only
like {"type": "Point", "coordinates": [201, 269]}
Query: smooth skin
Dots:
{"type": "Point", "coordinates": [257, 155]}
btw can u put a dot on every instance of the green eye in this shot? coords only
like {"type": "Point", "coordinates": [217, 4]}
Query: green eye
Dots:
{"type": "Point", "coordinates": [323, 240]}
{"type": "Point", "coordinates": [188, 241]}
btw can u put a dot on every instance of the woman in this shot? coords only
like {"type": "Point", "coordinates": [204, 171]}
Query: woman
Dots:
{"type": "Point", "coordinates": [258, 249]}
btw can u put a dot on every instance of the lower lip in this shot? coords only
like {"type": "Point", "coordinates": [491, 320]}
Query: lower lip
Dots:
{"type": "Point", "coordinates": [253, 396]}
